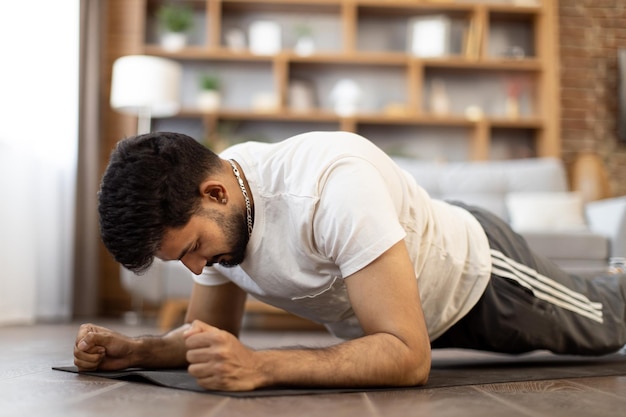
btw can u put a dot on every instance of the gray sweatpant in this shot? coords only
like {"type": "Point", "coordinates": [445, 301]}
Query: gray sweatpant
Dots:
{"type": "Point", "coordinates": [530, 303]}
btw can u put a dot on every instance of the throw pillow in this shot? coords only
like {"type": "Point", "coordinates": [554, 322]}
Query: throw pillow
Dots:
{"type": "Point", "coordinates": [546, 211]}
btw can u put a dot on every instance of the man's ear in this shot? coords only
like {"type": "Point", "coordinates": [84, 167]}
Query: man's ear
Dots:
{"type": "Point", "coordinates": [213, 191]}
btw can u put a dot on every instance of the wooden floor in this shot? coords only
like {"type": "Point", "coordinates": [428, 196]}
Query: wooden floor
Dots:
{"type": "Point", "coordinates": [28, 387]}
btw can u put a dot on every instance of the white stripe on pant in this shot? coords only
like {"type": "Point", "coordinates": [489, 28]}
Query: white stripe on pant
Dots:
{"type": "Point", "coordinates": [545, 288]}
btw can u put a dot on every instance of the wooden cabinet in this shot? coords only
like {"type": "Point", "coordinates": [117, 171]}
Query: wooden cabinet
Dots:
{"type": "Point", "coordinates": [498, 75]}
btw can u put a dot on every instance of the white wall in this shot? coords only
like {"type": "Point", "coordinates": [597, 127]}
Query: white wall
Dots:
{"type": "Point", "coordinates": [38, 142]}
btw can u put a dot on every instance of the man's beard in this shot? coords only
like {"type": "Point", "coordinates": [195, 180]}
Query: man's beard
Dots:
{"type": "Point", "coordinates": [235, 229]}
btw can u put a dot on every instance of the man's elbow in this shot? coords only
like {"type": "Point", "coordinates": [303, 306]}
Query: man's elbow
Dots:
{"type": "Point", "coordinates": [415, 369]}
{"type": "Point", "coordinates": [420, 373]}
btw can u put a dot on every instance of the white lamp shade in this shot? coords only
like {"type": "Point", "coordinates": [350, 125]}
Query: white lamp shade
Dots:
{"type": "Point", "coordinates": [146, 84]}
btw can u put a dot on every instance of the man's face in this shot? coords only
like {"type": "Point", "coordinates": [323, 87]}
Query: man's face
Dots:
{"type": "Point", "coordinates": [209, 237]}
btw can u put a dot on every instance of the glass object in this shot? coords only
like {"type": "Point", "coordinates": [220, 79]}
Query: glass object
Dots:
{"type": "Point", "coordinates": [617, 265]}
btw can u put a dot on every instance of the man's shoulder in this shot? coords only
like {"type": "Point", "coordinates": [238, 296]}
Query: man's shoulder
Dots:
{"type": "Point", "coordinates": [309, 143]}
{"type": "Point", "coordinates": [303, 162]}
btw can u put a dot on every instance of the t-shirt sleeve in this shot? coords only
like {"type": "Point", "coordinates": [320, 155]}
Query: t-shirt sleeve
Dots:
{"type": "Point", "coordinates": [357, 217]}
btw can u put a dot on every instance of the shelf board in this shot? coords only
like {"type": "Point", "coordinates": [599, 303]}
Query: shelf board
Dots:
{"type": "Point", "coordinates": [223, 54]}
{"type": "Point", "coordinates": [415, 119]}
{"type": "Point", "coordinates": [513, 11]}
{"type": "Point", "coordinates": [521, 123]}
{"type": "Point", "coordinates": [326, 116]}
{"type": "Point", "coordinates": [404, 7]}
{"type": "Point", "coordinates": [387, 6]}
{"type": "Point", "coordinates": [208, 54]}
{"type": "Point", "coordinates": [298, 6]}
{"type": "Point", "coordinates": [498, 64]}
{"type": "Point", "coordinates": [356, 58]}
{"type": "Point", "coordinates": [230, 114]}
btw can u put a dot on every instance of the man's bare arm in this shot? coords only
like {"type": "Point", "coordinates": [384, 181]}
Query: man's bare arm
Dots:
{"type": "Point", "coordinates": [395, 350]}
{"type": "Point", "coordinates": [97, 347]}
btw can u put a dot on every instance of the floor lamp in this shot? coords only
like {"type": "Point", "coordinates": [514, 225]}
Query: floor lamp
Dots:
{"type": "Point", "coordinates": [145, 87]}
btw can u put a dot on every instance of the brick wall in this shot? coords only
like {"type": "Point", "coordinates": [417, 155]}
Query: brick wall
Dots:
{"type": "Point", "coordinates": [590, 32]}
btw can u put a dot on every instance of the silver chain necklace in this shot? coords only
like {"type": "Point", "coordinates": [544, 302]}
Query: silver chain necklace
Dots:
{"type": "Point", "coordinates": [245, 196]}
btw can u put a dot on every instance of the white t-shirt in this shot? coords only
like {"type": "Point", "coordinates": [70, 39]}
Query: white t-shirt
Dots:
{"type": "Point", "coordinates": [326, 205]}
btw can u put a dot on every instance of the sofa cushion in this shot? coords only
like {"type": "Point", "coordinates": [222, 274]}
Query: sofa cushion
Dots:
{"type": "Point", "coordinates": [569, 245]}
{"type": "Point", "coordinates": [536, 174]}
{"type": "Point", "coordinates": [486, 183]}
{"type": "Point", "coordinates": [546, 211]}
{"type": "Point", "coordinates": [585, 268]}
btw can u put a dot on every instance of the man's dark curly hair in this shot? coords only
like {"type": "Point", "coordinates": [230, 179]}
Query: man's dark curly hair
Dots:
{"type": "Point", "coordinates": [151, 184]}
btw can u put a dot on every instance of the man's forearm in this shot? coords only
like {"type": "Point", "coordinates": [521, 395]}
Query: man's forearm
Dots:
{"type": "Point", "coordinates": [377, 360]}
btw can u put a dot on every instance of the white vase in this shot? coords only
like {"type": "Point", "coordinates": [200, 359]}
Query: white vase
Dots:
{"type": "Point", "coordinates": [439, 102]}
{"type": "Point", "coordinates": [265, 102]}
{"type": "Point", "coordinates": [301, 96]}
{"type": "Point", "coordinates": [264, 38]}
{"type": "Point", "coordinates": [511, 107]}
{"type": "Point", "coordinates": [173, 41]}
{"type": "Point", "coordinates": [305, 46]}
{"type": "Point", "coordinates": [346, 95]}
{"type": "Point", "coordinates": [208, 100]}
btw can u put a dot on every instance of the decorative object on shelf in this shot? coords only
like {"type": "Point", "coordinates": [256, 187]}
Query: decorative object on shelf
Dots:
{"type": "Point", "coordinates": [209, 97]}
{"type": "Point", "coordinates": [175, 21]}
{"type": "Point", "coordinates": [146, 87]}
{"type": "Point", "coordinates": [235, 40]}
{"type": "Point", "coordinates": [439, 102]}
{"type": "Point", "coordinates": [474, 113]}
{"type": "Point", "coordinates": [305, 45]}
{"type": "Point", "coordinates": [473, 38]}
{"type": "Point", "coordinates": [301, 96]}
{"type": "Point", "coordinates": [512, 104]}
{"type": "Point", "coordinates": [345, 96]}
{"type": "Point", "coordinates": [396, 109]}
{"type": "Point", "coordinates": [265, 38]}
{"type": "Point", "coordinates": [525, 3]}
{"type": "Point", "coordinates": [514, 52]}
{"type": "Point", "coordinates": [429, 36]}
{"type": "Point", "coordinates": [264, 102]}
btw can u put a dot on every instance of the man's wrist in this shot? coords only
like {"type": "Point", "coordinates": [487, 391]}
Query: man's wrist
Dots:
{"type": "Point", "coordinates": [139, 356]}
{"type": "Point", "coordinates": [287, 366]}
{"type": "Point", "coordinates": [167, 351]}
{"type": "Point", "coordinates": [266, 368]}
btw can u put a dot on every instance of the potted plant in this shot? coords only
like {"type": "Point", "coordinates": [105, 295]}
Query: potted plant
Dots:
{"type": "Point", "coordinates": [175, 21]}
{"type": "Point", "coordinates": [305, 45]}
{"type": "Point", "coordinates": [209, 95]}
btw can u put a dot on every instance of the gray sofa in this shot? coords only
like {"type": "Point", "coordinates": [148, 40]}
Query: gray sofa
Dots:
{"type": "Point", "coordinates": [584, 249]}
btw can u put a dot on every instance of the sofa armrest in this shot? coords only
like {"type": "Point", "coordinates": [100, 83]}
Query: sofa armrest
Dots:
{"type": "Point", "coordinates": [608, 217]}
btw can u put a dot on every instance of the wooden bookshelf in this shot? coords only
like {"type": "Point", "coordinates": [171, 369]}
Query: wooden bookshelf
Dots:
{"type": "Point", "coordinates": [484, 25]}
{"type": "Point", "coordinates": [366, 39]}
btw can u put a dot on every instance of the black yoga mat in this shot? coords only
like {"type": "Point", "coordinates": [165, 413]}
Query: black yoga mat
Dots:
{"type": "Point", "coordinates": [444, 373]}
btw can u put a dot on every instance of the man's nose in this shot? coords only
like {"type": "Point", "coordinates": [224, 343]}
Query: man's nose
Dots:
{"type": "Point", "coordinates": [194, 263]}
